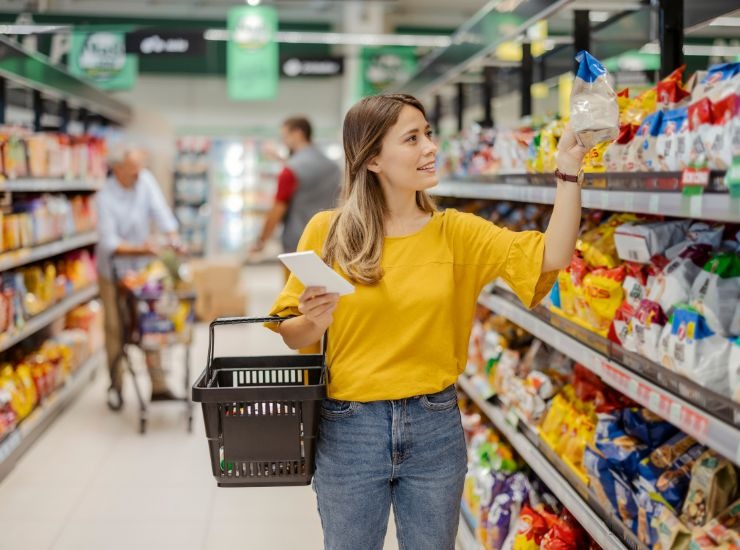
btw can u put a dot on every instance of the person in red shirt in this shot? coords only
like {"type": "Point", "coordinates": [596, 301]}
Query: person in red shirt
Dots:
{"type": "Point", "coordinates": [296, 135]}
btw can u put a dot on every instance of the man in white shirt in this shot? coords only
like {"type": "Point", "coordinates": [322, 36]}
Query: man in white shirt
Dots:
{"type": "Point", "coordinates": [127, 206]}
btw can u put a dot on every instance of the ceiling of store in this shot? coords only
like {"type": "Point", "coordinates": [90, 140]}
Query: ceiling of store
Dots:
{"type": "Point", "coordinates": [415, 13]}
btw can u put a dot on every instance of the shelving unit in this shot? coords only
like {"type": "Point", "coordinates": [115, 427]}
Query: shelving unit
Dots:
{"type": "Point", "coordinates": [545, 467]}
{"type": "Point", "coordinates": [48, 316]}
{"type": "Point", "coordinates": [709, 206]}
{"type": "Point", "coordinates": [48, 186]}
{"type": "Point", "coordinates": [719, 434]}
{"type": "Point", "coordinates": [17, 258]}
{"type": "Point", "coordinates": [14, 444]}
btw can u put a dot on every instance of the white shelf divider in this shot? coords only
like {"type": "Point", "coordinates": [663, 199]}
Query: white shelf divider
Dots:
{"type": "Point", "coordinates": [704, 427]}
{"type": "Point", "coordinates": [559, 486]}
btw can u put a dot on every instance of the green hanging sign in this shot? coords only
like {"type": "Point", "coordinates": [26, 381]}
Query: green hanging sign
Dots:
{"type": "Point", "coordinates": [252, 62]}
{"type": "Point", "coordinates": [101, 58]}
{"type": "Point", "coordinates": [385, 67]}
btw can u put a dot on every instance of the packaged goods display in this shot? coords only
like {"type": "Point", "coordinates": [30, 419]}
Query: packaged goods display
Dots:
{"type": "Point", "coordinates": [26, 154]}
{"type": "Point", "coordinates": [30, 290]}
{"type": "Point", "coordinates": [30, 375]}
{"type": "Point", "coordinates": [45, 218]}
{"type": "Point", "coordinates": [506, 505]}
{"type": "Point", "coordinates": [160, 311]}
{"type": "Point", "coordinates": [642, 469]}
{"type": "Point", "coordinates": [675, 125]}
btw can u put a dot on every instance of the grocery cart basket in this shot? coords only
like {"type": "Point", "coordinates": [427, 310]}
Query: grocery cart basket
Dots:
{"type": "Point", "coordinates": [261, 414]}
{"type": "Point", "coordinates": [138, 321]}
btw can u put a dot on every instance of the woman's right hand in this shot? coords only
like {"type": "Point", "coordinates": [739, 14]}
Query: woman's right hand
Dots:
{"type": "Point", "coordinates": [318, 306]}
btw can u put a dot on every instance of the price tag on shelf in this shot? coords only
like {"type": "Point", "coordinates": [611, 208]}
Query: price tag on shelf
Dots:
{"type": "Point", "coordinates": [633, 387]}
{"type": "Point", "coordinates": [654, 203]}
{"type": "Point", "coordinates": [695, 204]}
{"type": "Point", "coordinates": [603, 199]}
{"type": "Point", "coordinates": [654, 402]}
{"type": "Point", "coordinates": [674, 414]}
{"type": "Point", "coordinates": [512, 418]}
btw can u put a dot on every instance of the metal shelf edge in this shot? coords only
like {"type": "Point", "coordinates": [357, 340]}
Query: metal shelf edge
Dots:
{"type": "Point", "coordinates": [547, 472]}
{"type": "Point", "coordinates": [705, 428]}
{"type": "Point", "coordinates": [48, 185]}
{"type": "Point", "coordinates": [36, 423]}
{"type": "Point", "coordinates": [43, 319]}
{"type": "Point", "coordinates": [17, 258]}
{"type": "Point", "coordinates": [709, 206]}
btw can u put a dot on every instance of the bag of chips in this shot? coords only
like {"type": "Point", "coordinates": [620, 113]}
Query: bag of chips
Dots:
{"type": "Point", "coordinates": [698, 233]}
{"type": "Point", "coordinates": [604, 294]}
{"type": "Point", "coordinates": [531, 527]}
{"type": "Point", "coordinates": [623, 452]}
{"type": "Point", "coordinates": [667, 470]}
{"type": "Point", "coordinates": [671, 144]}
{"type": "Point", "coordinates": [594, 113]}
{"type": "Point", "coordinates": [712, 488]}
{"type": "Point", "coordinates": [673, 285]}
{"type": "Point", "coordinates": [716, 293]}
{"type": "Point", "coordinates": [671, 533]}
{"type": "Point", "coordinates": [647, 426]}
{"type": "Point", "coordinates": [697, 352]}
{"type": "Point", "coordinates": [734, 369]}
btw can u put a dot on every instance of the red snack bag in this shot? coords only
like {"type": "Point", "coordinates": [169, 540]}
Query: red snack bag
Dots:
{"type": "Point", "coordinates": [565, 533]}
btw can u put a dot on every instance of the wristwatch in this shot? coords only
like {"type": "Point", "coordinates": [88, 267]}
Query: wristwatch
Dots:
{"type": "Point", "coordinates": [578, 178]}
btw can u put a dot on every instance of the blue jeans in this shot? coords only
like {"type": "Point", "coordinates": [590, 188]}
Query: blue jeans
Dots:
{"type": "Point", "coordinates": [408, 453]}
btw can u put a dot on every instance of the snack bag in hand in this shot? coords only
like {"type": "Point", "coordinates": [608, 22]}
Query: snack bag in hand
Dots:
{"type": "Point", "coordinates": [594, 112]}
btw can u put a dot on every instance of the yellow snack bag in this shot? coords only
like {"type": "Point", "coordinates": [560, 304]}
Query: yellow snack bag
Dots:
{"type": "Point", "coordinates": [594, 159]}
{"type": "Point", "coordinates": [604, 295]}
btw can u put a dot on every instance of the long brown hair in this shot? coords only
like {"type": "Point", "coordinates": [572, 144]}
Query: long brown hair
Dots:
{"type": "Point", "coordinates": [356, 234]}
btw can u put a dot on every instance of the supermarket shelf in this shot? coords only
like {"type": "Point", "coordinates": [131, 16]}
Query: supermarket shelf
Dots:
{"type": "Point", "coordinates": [48, 185]}
{"type": "Point", "coordinates": [17, 258]}
{"type": "Point", "coordinates": [722, 436]}
{"type": "Point", "coordinates": [465, 537]}
{"type": "Point", "coordinates": [709, 206]}
{"type": "Point", "coordinates": [48, 316]}
{"type": "Point", "coordinates": [17, 442]}
{"type": "Point", "coordinates": [33, 71]}
{"type": "Point", "coordinates": [557, 483]}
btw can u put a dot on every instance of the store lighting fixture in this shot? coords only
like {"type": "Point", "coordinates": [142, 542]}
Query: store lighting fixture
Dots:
{"type": "Point", "coordinates": [432, 41]}
{"type": "Point", "coordinates": [726, 22]}
{"type": "Point", "coordinates": [598, 16]}
{"type": "Point", "coordinates": [32, 29]}
{"type": "Point", "coordinates": [697, 50]}
{"type": "Point", "coordinates": [254, 3]}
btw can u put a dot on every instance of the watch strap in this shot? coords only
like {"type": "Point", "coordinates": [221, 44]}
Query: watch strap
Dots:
{"type": "Point", "coordinates": [566, 177]}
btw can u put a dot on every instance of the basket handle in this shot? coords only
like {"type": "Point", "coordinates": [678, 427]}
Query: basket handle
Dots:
{"type": "Point", "coordinates": [245, 321]}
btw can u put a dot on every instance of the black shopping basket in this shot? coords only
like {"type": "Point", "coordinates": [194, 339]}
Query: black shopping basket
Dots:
{"type": "Point", "coordinates": [261, 414]}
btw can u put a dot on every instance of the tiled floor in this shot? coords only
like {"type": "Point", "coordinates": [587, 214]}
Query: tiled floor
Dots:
{"type": "Point", "coordinates": [92, 482]}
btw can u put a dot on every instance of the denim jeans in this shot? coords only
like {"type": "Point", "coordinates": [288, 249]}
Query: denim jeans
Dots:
{"type": "Point", "coordinates": [409, 454]}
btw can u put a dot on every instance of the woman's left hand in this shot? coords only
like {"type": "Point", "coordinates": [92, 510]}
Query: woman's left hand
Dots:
{"type": "Point", "coordinates": [570, 153]}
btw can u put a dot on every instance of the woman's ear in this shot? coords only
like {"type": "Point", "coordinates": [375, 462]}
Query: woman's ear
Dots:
{"type": "Point", "coordinates": [374, 165]}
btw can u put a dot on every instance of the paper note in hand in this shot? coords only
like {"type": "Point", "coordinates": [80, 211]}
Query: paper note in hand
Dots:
{"type": "Point", "coordinates": [312, 271]}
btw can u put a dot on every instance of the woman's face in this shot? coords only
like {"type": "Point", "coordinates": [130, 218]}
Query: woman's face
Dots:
{"type": "Point", "coordinates": [408, 154]}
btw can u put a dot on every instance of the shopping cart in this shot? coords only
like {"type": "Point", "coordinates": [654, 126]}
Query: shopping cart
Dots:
{"type": "Point", "coordinates": [145, 324]}
{"type": "Point", "coordinates": [261, 414]}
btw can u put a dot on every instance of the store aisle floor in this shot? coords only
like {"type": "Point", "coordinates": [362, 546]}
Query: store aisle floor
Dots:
{"type": "Point", "coordinates": [92, 482]}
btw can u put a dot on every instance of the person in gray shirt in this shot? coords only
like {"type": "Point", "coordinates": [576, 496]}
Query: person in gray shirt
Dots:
{"type": "Point", "coordinates": [308, 183]}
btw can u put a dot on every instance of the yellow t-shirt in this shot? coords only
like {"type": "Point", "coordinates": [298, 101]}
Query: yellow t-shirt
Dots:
{"type": "Point", "coordinates": [408, 335]}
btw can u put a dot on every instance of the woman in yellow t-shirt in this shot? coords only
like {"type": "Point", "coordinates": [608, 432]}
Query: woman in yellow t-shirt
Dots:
{"type": "Point", "coordinates": [390, 432]}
